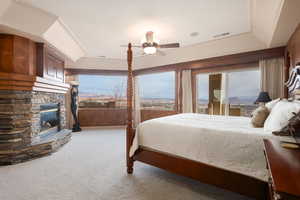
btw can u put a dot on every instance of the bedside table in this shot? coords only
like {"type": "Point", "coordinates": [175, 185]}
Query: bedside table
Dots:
{"type": "Point", "coordinates": [284, 168]}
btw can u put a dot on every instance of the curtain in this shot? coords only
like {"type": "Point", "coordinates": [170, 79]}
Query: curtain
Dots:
{"type": "Point", "coordinates": [187, 99]}
{"type": "Point", "coordinates": [272, 77]}
{"type": "Point", "coordinates": [136, 102]}
{"type": "Point", "coordinates": [179, 91]}
{"type": "Point", "coordinates": [69, 117]}
{"type": "Point", "coordinates": [224, 108]}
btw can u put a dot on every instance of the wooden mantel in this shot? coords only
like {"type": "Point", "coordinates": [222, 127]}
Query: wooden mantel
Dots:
{"type": "Point", "coordinates": [29, 66]}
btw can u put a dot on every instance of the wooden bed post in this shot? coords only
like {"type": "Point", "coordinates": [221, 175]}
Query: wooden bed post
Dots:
{"type": "Point", "coordinates": [129, 130]}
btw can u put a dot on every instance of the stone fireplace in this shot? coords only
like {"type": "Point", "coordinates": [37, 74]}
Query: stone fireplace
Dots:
{"type": "Point", "coordinates": [32, 100]}
{"type": "Point", "coordinates": [28, 125]}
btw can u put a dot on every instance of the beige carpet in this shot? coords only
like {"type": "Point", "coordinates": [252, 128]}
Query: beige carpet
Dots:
{"type": "Point", "coordinates": [92, 167]}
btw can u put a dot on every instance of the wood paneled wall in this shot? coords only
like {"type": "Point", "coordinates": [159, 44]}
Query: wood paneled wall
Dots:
{"type": "Point", "coordinates": [292, 54]}
{"type": "Point", "coordinates": [114, 116]}
{"type": "Point", "coordinates": [293, 49]}
{"type": "Point", "coordinates": [102, 116]}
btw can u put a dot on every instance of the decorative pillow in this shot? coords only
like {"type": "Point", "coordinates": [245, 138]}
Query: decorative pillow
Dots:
{"type": "Point", "coordinates": [259, 116]}
{"type": "Point", "coordinates": [280, 115]}
{"type": "Point", "coordinates": [272, 103]}
{"type": "Point", "coordinates": [292, 128]}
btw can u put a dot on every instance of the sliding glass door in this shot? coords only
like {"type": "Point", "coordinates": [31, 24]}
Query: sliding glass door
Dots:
{"type": "Point", "coordinates": [209, 93]}
{"type": "Point", "coordinates": [227, 93]}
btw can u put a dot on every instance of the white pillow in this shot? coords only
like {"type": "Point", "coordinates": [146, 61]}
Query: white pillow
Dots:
{"type": "Point", "coordinates": [272, 103]}
{"type": "Point", "coordinates": [280, 115]}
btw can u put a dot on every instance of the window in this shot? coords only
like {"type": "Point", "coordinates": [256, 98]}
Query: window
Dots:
{"type": "Point", "coordinates": [202, 93]}
{"type": "Point", "coordinates": [101, 91]}
{"type": "Point", "coordinates": [237, 99]}
{"type": "Point", "coordinates": [157, 91]}
{"type": "Point", "coordinates": [243, 89]}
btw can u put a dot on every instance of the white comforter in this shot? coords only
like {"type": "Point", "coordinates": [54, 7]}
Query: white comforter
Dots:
{"type": "Point", "coordinates": [223, 141]}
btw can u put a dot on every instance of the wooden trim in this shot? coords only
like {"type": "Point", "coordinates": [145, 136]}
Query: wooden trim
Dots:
{"type": "Point", "coordinates": [16, 77]}
{"type": "Point", "coordinates": [40, 59]}
{"type": "Point", "coordinates": [234, 59]}
{"type": "Point", "coordinates": [16, 83]}
{"type": "Point", "coordinates": [19, 82]}
{"type": "Point", "coordinates": [71, 71]}
{"type": "Point", "coordinates": [13, 87]}
{"type": "Point", "coordinates": [220, 69]}
{"type": "Point", "coordinates": [153, 70]}
{"type": "Point", "coordinates": [205, 173]}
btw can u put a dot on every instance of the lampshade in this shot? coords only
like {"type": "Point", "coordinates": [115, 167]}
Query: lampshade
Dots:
{"type": "Point", "coordinates": [150, 50]}
{"type": "Point", "coordinates": [263, 97]}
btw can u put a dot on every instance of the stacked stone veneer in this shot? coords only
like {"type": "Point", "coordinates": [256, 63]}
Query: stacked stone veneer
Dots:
{"type": "Point", "coordinates": [20, 125]}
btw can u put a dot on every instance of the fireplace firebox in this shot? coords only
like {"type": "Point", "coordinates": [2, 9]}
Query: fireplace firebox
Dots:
{"type": "Point", "coordinates": [49, 119]}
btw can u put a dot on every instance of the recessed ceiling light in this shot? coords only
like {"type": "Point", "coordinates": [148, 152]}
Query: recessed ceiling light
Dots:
{"type": "Point", "coordinates": [194, 34]}
{"type": "Point", "coordinates": [221, 35]}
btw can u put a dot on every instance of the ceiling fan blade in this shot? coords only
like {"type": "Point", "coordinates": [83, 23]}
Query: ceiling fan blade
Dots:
{"type": "Point", "coordinates": [161, 53]}
{"type": "Point", "coordinates": [137, 46]}
{"type": "Point", "coordinates": [170, 45]}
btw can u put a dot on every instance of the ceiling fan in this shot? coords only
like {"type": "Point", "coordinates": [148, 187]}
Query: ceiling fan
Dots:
{"type": "Point", "coordinates": [150, 46]}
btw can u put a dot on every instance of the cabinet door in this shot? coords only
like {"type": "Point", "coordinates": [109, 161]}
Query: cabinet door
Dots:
{"type": "Point", "coordinates": [54, 68]}
{"type": "Point", "coordinates": [50, 67]}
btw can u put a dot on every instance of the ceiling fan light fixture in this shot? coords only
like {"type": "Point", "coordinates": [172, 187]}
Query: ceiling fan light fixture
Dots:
{"type": "Point", "coordinates": [150, 50]}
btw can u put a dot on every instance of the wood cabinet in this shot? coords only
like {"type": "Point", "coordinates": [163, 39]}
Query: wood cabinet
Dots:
{"type": "Point", "coordinates": [17, 55]}
{"type": "Point", "coordinates": [29, 66]}
{"type": "Point", "coordinates": [284, 169]}
{"type": "Point", "coordinates": [50, 64]}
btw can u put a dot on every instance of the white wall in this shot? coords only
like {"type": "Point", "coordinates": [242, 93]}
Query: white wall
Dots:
{"type": "Point", "coordinates": [231, 45]}
{"type": "Point", "coordinates": [265, 15]}
{"type": "Point", "coordinates": [4, 6]}
{"type": "Point", "coordinates": [273, 21]}
{"type": "Point", "coordinates": [98, 63]}
{"type": "Point", "coordinates": [60, 37]}
{"type": "Point", "coordinates": [287, 23]}
{"type": "Point", "coordinates": [27, 19]}
{"type": "Point", "coordinates": [24, 20]}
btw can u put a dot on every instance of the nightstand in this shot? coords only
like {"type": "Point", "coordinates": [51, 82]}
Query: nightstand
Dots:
{"type": "Point", "coordinates": [284, 168]}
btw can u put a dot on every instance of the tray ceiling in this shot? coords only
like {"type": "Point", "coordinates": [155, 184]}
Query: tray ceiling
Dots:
{"type": "Point", "coordinates": [102, 26]}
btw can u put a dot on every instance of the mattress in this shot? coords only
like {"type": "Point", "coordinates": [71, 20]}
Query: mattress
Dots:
{"type": "Point", "coordinates": [226, 142]}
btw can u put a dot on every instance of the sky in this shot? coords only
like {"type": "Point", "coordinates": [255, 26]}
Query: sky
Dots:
{"type": "Point", "coordinates": [162, 85]}
{"type": "Point", "coordinates": [103, 85]}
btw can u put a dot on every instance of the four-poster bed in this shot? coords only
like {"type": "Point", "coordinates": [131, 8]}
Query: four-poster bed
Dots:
{"type": "Point", "coordinates": [206, 173]}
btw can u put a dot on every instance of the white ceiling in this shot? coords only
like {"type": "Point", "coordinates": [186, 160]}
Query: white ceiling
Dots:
{"type": "Point", "coordinates": [102, 26]}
